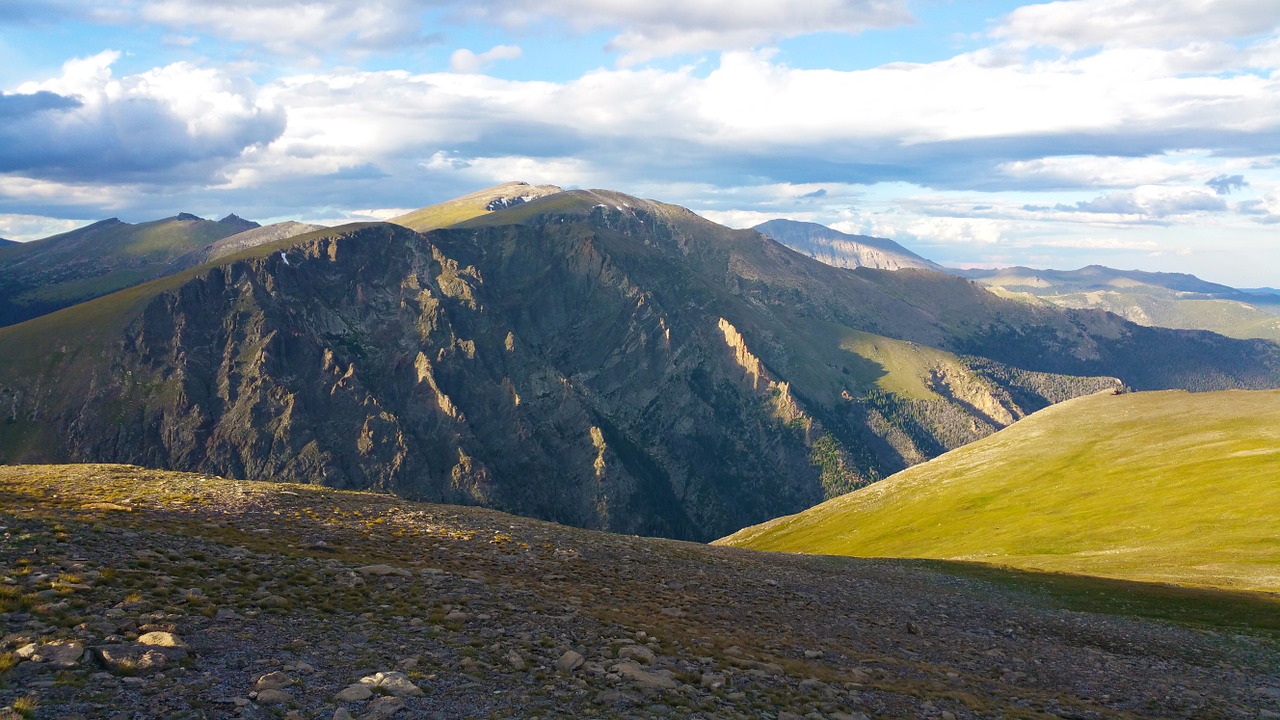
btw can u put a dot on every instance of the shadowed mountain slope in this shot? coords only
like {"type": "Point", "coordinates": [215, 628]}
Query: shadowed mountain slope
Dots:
{"type": "Point", "coordinates": [586, 357]}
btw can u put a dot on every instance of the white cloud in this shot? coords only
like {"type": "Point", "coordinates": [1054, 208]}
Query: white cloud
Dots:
{"type": "Point", "coordinates": [287, 27]}
{"type": "Point", "coordinates": [644, 30]}
{"type": "Point", "coordinates": [33, 193]}
{"type": "Point", "coordinates": [152, 125]}
{"type": "Point", "coordinates": [1151, 23]}
{"type": "Point", "coordinates": [1152, 202]}
{"type": "Point", "coordinates": [466, 61]}
{"type": "Point", "coordinates": [661, 28]}
{"type": "Point", "coordinates": [33, 227]}
{"type": "Point", "coordinates": [1076, 171]}
{"type": "Point", "coordinates": [751, 218]}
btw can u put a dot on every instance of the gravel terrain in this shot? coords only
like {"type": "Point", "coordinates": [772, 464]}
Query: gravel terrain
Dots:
{"type": "Point", "coordinates": [130, 593]}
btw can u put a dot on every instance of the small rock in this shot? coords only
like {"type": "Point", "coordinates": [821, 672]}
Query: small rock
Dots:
{"type": "Point", "coordinates": [456, 616]}
{"type": "Point", "coordinates": [342, 714]}
{"type": "Point", "coordinates": [382, 708]}
{"type": "Point", "coordinates": [272, 681]}
{"type": "Point", "coordinates": [273, 697]}
{"type": "Point", "coordinates": [382, 570]}
{"type": "Point", "coordinates": [617, 697]}
{"type": "Point", "coordinates": [712, 681]}
{"type": "Point", "coordinates": [354, 693]}
{"type": "Point", "coordinates": [515, 661]}
{"type": "Point", "coordinates": [571, 660]}
{"type": "Point", "coordinates": [913, 628]}
{"type": "Point", "coordinates": [813, 654]}
{"type": "Point", "coordinates": [107, 506]}
{"type": "Point", "coordinates": [137, 659]}
{"type": "Point", "coordinates": [393, 683]}
{"type": "Point", "coordinates": [672, 612]}
{"type": "Point", "coordinates": [59, 654]}
{"type": "Point", "coordinates": [639, 653]}
{"type": "Point", "coordinates": [273, 601]}
{"type": "Point", "coordinates": [225, 614]}
{"type": "Point", "coordinates": [643, 678]}
{"type": "Point", "coordinates": [948, 715]}
{"type": "Point", "coordinates": [161, 639]}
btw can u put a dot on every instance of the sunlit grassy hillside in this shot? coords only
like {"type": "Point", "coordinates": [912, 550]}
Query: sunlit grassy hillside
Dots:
{"type": "Point", "coordinates": [1159, 486]}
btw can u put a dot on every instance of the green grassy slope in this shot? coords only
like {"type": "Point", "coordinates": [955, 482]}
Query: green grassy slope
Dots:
{"type": "Point", "coordinates": [45, 275]}
{"type": "Point", "coordinates": [473, 205]}
{"type": "Point", "coordinates": [1164, 486]}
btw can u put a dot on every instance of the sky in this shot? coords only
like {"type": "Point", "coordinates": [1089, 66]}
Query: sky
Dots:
{"type": "Point", "coordinates": [1129, 133]}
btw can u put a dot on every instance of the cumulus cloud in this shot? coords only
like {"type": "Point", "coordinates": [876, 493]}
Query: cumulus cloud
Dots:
{"type": "Point", "coordinates": [17, 106]}
{"type": "Point", "coordinates": [1151, 23]}
{"type": "Point", "coordinates": [466, 61]}
{"type": "Point", "coordinates": [89, 125]}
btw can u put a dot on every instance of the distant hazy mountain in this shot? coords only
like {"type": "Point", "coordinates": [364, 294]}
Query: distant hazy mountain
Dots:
{"type": "Point", "coordinates": [41, 276]}
{"type": "Point", "coordinates": [1172, 300]}
{"type": "Point", "coordinates": [5, 243]}
{"type": "Point", "coordinates": [843, 250]}
{"type": "Point", "coordinates": [586, 357]}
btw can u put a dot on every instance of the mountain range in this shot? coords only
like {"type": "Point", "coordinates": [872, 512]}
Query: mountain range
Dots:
{"type": "Point", "coordinates": [581, 356]}
{"type": "Point", "coordinates": [1172, 300]}
{"type": "Point", "coordinates": [42, 276]}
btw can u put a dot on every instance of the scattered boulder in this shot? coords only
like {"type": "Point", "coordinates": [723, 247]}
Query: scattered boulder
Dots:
{"type": "Point", "coordinates": [382, 708]}
{"type": "Point", "coordinates": [392, 683]}
{"type": "Point", "coordinates": [138, 659]}
{"type": "Point", "coordinates": [354, 693]}
{"type": "Point", "coordinates": [571, 660]}
{"type": "Point", "coordinates": [161, 639]}
{"type": "Point", "coordinates": [273, 697]}
{"type": "Point", "coordinates": [273, 681]}
{"type": "Point", "coordinates": [644, 678]}
{"type": "Point", "coordinates": [58, 654]}
{"type": "Point", "coordinates": [382, 570]}
{"type": "Point", "coordinates": [639, 653]}
{"type": "Point", "coordinates": [713, 681]}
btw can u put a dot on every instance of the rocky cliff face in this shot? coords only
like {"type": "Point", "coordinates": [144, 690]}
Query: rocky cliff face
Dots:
{"type": "Point", "coordinates": [598, 361]}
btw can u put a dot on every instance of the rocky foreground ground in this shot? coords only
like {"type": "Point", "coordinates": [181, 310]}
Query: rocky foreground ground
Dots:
{"type": "Point", "coordinates": [128, 593]}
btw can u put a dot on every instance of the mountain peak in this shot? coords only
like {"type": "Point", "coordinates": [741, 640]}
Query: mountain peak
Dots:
{"type": "Point", "coordinates": [188, 216]}
{"type": "Point", "coordinates": [842, 249]}
{"type": "Point", "coordinates": [472, 205]}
